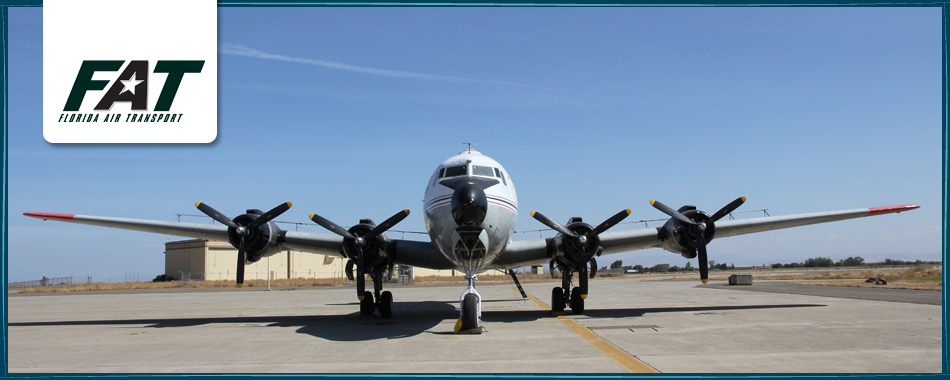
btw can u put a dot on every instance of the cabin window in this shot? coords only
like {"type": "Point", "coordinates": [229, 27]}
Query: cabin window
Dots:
{"type": "Point", "coordinates": [482, 170]}
{"type": "Point", "coordinates": [456, 171]}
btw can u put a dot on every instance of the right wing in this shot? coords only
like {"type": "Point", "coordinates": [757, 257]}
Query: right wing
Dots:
{"type": "Point", "coordinates": [541, 251]}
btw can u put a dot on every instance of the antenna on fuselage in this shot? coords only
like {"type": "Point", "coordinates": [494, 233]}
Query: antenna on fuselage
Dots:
{"type": "Point", "coordinates": [469, 146]}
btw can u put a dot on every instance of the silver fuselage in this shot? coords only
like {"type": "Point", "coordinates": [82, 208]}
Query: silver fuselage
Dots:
{"type": "Point", "coordinates": [499, 223]}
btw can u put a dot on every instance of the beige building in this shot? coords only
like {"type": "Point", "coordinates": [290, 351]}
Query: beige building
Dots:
{"type": "Point", "coordinates": [215, 261]}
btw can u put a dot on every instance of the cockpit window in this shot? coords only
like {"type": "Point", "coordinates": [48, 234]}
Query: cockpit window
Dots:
{"type": "Point", "coordinates": [442, 173]}
{"type": "Point", "coordinates": [498, 174]}
{"type": "Point", "coordinates": [455, 171]}
{"type": "Point", "coordinates": [482, 170]}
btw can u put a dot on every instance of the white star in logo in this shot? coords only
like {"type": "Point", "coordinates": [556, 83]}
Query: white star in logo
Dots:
{"type": "Point", "coordinates": [130, 84]}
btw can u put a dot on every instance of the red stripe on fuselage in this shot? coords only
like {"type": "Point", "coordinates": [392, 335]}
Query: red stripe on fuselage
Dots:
{"type": "Point", "coordinates": [49, 215]}
{"type": "Point", "coordinates": [890, 209]}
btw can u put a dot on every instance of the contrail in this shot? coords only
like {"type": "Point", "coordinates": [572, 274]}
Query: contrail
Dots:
{"type": "Point", "coordinates": [245, 51]}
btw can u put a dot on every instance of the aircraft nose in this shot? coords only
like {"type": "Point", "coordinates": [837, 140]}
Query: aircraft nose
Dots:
{"type": "Point", "coordinates": [469, 205]}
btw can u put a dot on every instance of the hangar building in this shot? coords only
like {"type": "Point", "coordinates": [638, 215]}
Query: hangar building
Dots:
{"type": "Point", "coordinates": [214, 261]}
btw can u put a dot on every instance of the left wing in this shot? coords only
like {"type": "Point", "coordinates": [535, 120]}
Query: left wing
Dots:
{"type": "Point", "coordinates": [541, 251]}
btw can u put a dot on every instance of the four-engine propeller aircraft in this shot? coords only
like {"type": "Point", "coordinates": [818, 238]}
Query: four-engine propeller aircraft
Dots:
{"type": "Point", "coordinates": [470, 210]}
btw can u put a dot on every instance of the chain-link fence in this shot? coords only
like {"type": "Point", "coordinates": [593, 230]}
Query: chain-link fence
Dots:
{"type": "Point", "coordinates": [46, 281]}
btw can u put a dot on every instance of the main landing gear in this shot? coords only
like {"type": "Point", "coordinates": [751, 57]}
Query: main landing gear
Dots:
{"type": "Point", "coordinates": [470, 310]}
{"type": "Point", "coordinates": [565, 296]}
{"type": "Point", "coordinates": [383, 299]}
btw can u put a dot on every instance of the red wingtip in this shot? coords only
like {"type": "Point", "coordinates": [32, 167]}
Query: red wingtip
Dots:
{"type": "Point", "coordinates": [49, 215]}
{"type": "Point", "coordinates": [891, 209]}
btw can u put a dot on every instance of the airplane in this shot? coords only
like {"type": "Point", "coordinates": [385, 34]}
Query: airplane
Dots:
{"type": "Point", "coordinates": [470, 208]}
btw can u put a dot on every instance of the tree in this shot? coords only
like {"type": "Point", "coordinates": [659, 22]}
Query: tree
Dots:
{"type": "Point", "coordinates": [616, 264]}
{"type": "Point", "coordinates": [688, 266]}
{"type": "Point", "coordinates": [638, 268]}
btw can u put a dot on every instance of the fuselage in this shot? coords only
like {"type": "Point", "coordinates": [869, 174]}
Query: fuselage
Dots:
{"type": "Point", "coordinates": [470, 208]}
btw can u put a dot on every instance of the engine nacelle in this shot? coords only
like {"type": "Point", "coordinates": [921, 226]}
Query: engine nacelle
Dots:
{"type": "Point", "coordinates": [685, 239]}
{"type": "Point", "coordinates": [569, 252]}
{"type": "Point", "coordinates": [260, 242]}
{"type": "Point", "coordinates": [374, 250]}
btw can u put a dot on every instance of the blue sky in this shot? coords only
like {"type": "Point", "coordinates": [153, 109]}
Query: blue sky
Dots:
{"type": "Point", "coordinates": [346, 112]}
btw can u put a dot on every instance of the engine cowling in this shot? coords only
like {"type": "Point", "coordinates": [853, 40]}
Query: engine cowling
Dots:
{"type": "Point", "coordinates": [374, 250]}
{"type": "Point", "coordinates": [685, 239]}
{"type": "Point", "coordinates": [259, 242]}
{"type": "Point", "coordinates": [570, 252]}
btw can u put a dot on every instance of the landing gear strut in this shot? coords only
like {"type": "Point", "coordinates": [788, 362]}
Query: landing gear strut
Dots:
{"type": "Point", "coordinates": [564, 296]}
{"type": "Point", "coordinates": [383, 299]}
{"type": "Point", "coordinates": [471, 309]}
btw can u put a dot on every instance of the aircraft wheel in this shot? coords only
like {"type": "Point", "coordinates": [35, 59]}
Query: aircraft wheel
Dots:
{"type": "Point", "coordinates": [557, 299]}
{"type": "Point", "coordinates": [577, 303]}
{"type": "Point", "coordinates": [470, 312]}
{"type": "Point", "coordinates": [367, 306]}
{"type": "Point", "coordinates": [386, 304]}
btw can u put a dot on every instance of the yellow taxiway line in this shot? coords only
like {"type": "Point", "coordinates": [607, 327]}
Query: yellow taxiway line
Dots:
{"type": "Point", "coordinates": [625, 360]}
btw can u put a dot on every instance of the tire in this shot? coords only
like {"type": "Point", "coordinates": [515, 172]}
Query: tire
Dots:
{"type": "Point", "coordinates": [557, 299]}
{"type": "Point", "coordinates": [470, 312]}
{"type": "Point", "coordinates": [577, 303]}
{"type": "Point", "coordinates": [367, 306]}
{"type": "Point", "coordinates": [386, 304]}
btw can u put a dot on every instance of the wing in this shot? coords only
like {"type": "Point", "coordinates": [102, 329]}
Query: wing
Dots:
{"type": "Point", "coordinates": [541, 251]}
{"type": "Point", "coordinates": [415, 253]}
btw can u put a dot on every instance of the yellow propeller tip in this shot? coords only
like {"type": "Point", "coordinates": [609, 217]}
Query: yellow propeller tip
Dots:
{"type": "Point", "coordinates": [311, 216]}
{"type": "Point", "coordinates": [197, 204]}
{"type": "Point", "coordinates": [289, 204]}
{"type": "Point", "coordinates": [532, 213]}
{"type": "Point", "coordinates": [704, 281]}
{"type": "Point", "coordinates": [240, 285]}
{"type": "Point", "coordinates": [583, 296]}
{"type": "Point", "coordinates": [406, 211]}
{"type": "Point", "coordinates": [743, 199]}
{"type": "Point", "coordinates": [652, 201]}
{"type": "Point", "coordinates": [360, 297]}
{"type": "Point", "coordinates": [628, 211]}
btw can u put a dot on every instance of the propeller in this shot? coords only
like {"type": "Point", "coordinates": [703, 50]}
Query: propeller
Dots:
{"type": "Point", "coordinates": [360, 242]}
{"type": "Point", "coordinates": [243, 231]}
{"type": "Point", "coordinates": [582, 252]}
{"type": "Point", "coordinates": [698, 228]}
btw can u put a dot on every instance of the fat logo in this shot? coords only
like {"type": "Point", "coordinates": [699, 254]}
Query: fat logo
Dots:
{"type": "Point", "coordinates": [131, 85]}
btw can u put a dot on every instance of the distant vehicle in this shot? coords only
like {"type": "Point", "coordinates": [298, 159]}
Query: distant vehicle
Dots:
{"type": "Point", "coordinates": [631, 271]}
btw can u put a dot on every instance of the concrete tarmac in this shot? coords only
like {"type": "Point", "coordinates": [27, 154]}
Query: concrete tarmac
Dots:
{"type": "Point", "coordinates": [629, 325]}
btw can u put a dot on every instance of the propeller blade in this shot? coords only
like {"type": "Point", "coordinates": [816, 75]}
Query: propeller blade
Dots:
{"type": "Point", "coordinates": [554, 225]}
{"type": "Point", "coordinates": [360, 277]}
{"type": "Point", "coordinates": [333, 227]}
{"type": "Point", "coordinates": [270, 215]}
{"type": "Point", "coordinates": [593, 267]}
{"type": "Point", "coordinates": [387, 224]}
{"type": "Point", "coordinates": [349, 269]}
{"type": "Point", "coordinates": [582, 278]}
{"type": "Point", "coordinates": [703, 262]}
{"type": "Point", "coordinates": [671, 212]}
{"type": "Point", "coordinates": [728, 209]}
{"type": "Point", "coordinates": [214, 214]}
{"type": "Point", "coordinates": [551, 269]}
{"type": "Point", "coordinates": [240, 263]}
{"type": "Point", "coordinates": [612, 221]}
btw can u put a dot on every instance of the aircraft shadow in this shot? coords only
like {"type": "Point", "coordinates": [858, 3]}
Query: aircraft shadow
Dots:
{"type": "Point", "coordinates": [509, 316]}
{"type": "Point", "coordinates": [409, 319]}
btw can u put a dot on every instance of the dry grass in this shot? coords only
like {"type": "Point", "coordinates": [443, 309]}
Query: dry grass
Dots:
{"type": "Point", "coordinates": [920, 277]}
